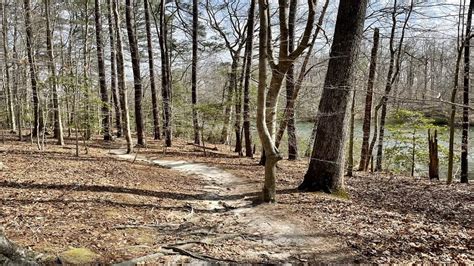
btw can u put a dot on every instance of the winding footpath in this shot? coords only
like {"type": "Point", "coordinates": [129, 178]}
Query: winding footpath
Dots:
{"type": "Point", "coordinates": [284, 239]}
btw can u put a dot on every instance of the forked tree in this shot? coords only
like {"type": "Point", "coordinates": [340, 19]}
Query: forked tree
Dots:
{"type": "Point", "coordinates": [267, 99]}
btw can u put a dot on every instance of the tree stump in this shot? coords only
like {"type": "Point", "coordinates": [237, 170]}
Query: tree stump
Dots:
{"type": "Point", "coordinates": [433, 153]}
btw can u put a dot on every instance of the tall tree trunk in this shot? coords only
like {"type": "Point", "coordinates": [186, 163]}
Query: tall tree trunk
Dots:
{"type": "Point", "coordinates": [58, 127]}
{"type": "Point", "coordinates": [465, 110]}
{"type": "Point", "coordinates": [326, 168]}
{"type": "Point", "coordinates": [237, 105]}
{"type": "Point", "coordinates": [452, 117]}
{"type": "Point", "coordinates": [290, 85]}
{"type": "Point", "coordinates": [101, 67]}
{"type": "Point", "coordinates": [151, 67]}
{"type": "Point", "coordinates": [85, 72]}
{"type": "Point", "coordinates": [364, 152]}
{"type": "Point", "coordinates": [393, 71]}
{"type": "Point", "coordinates": [140, 127]}
{"type": "Point", "coordinates": [248, 69]}
{"type": "Point", "coordinates": [113, 73]}
{"type": "Point", "coordinates": [238, 113]}
{"type": "Point", "coordinates": [165, 75]}
{"type": "Point", "coordinates": [10, 103]}
{"type": "Point", "coordinates": [38, 119]}
{"type": "Point", "coordinates": [197, 137]}
{"type": "Point", "coordinates": [16, 79]}
{"type": "Point", "coordinates": [121, 77]}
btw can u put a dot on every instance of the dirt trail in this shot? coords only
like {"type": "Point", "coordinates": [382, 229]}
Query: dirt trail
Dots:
{"type": "Point", "coordinates": [280, 238]}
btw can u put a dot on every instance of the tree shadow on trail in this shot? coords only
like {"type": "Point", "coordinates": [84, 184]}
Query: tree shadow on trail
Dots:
{"type": "Point", "coordinates": [111, 203]}
{"type": "Point", "coordinates": [100, 188]}
{"type": "Point", "coordinates": [135, 191]}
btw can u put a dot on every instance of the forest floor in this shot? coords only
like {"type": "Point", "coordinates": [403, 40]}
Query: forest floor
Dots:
{"type": "Point", "coordinates": [182, 205]}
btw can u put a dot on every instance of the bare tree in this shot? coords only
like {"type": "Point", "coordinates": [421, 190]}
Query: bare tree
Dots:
{"type": "Point", "coordinates": [304, 70]}
{"type": "Point", "coordinates": [364, 153]}
{"type": "Point", "coordinates": [268, 99]}
{"type": "Point", "coordinates": [392, 75]}
{"type": "Point", "coordinates": [234, 43]}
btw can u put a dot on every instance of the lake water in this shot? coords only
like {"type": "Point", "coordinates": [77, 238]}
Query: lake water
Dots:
{"type": "Point", "coordinates": [304, 132]}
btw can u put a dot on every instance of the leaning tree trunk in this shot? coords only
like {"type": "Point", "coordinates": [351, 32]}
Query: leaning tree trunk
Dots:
{"type": "Point", "coordinates": [101, 68]}
{"type": "Point", "coordinates": [113, 73]}
{"type": "Point", "coordinates": [364, 152]}
{"type": "Point", "coordinates": [197, 137]}
{"type": "Point", "coordinates": [326, 168]}
{"type": "Point", "coordinates": [151, 68]}
{"type": "Point", "coordinates": [10, 104]}
{"type": "Point", "coordinates": [247, 74]}
{"type": "Point", "coordinates": [121, 78]}
{"type": "Point", "coordinates": [38, 118]}
{"type": "Point", "coordinates": [465, 109]}
{"type": "Point", "coordinates": [137, 78]}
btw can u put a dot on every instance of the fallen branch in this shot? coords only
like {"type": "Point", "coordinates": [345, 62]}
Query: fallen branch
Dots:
{"type": "Point", "coordinates": [146, 258]}
{"type": "Point", "coordinates": [203, 147]}
{"type": "Point", "coordinates": [195, 255]}
{"type": "Point", "coordinates": [128, 226]}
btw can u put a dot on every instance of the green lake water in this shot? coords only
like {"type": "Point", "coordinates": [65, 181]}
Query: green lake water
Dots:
{"type": "Point", "coordinates": [304, 132]}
